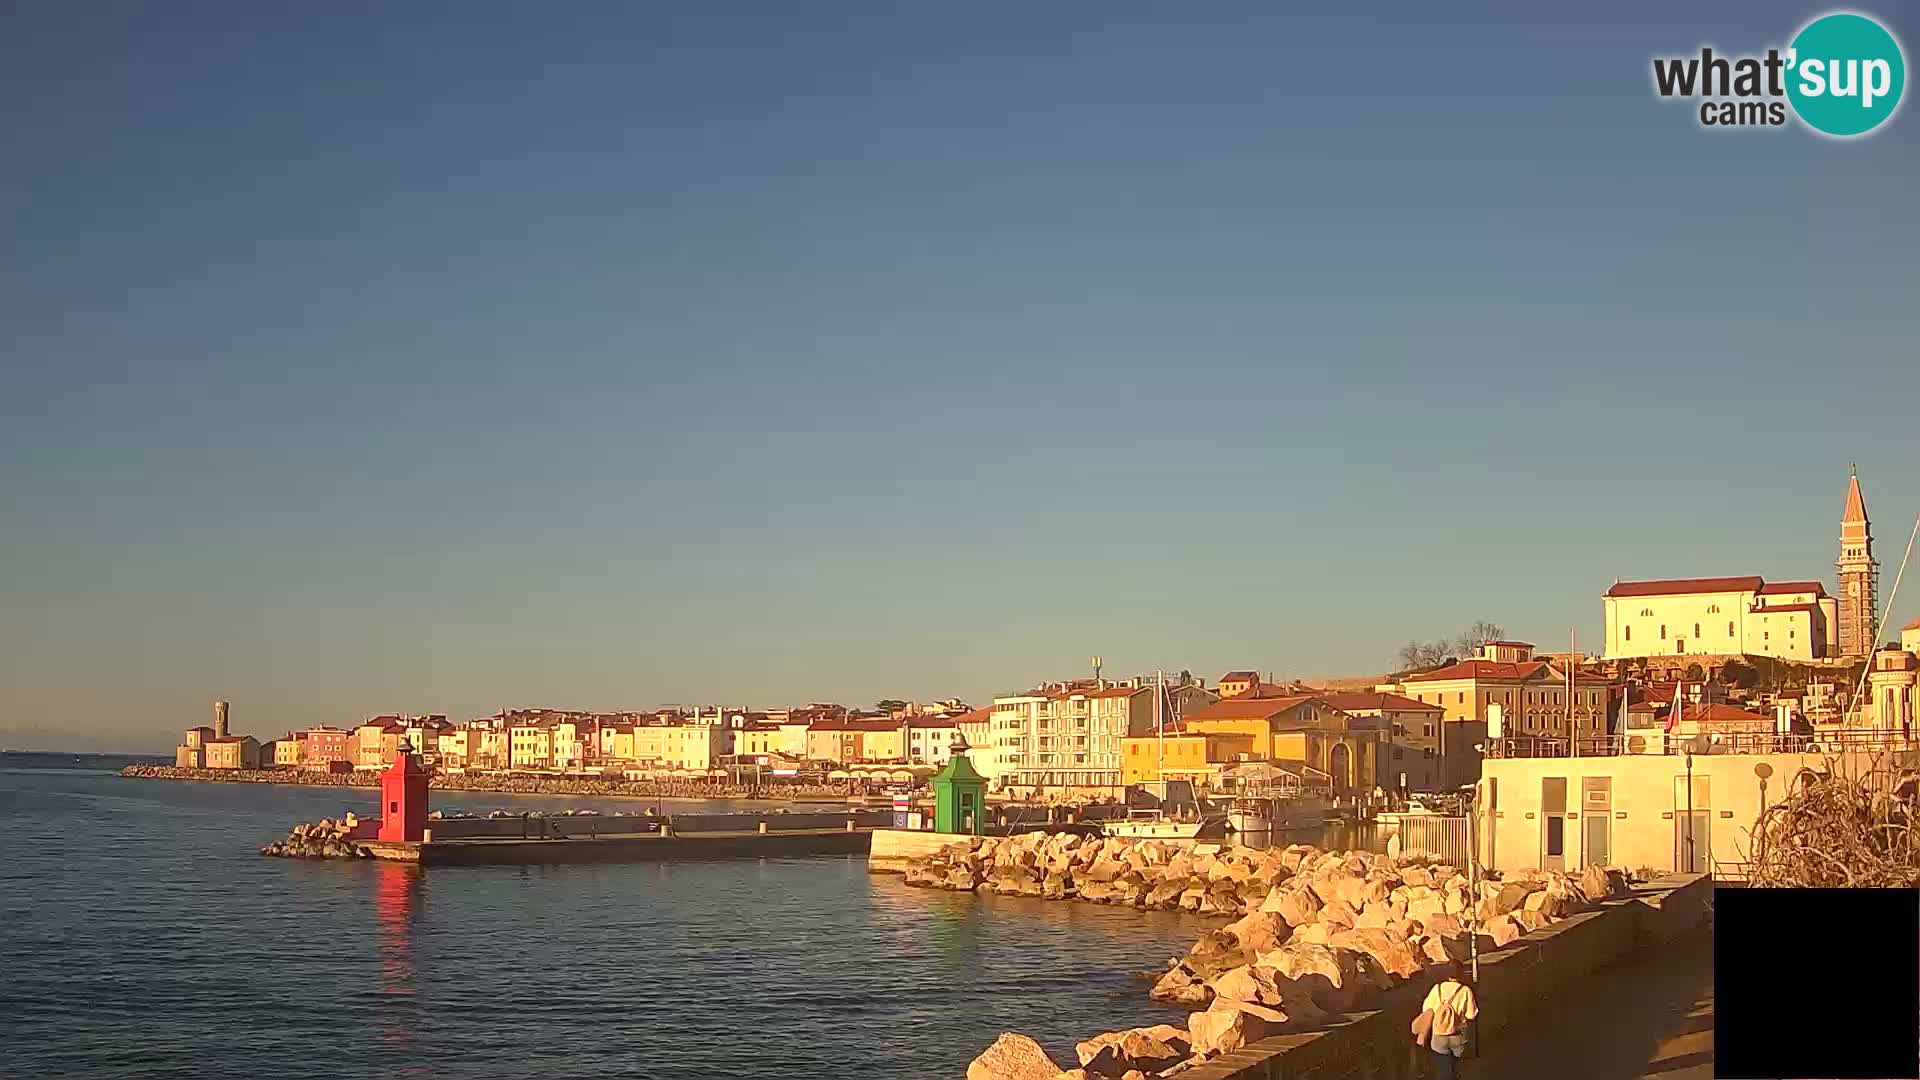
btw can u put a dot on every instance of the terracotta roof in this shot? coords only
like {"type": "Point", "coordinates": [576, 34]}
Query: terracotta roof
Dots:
{"type": "Point", "coordinates": [1280, 690]}
{"type": "Point", "coordinates": [1241, 676]}
{"type": "Point", "coordinates": [1914, 625]}
{"type": "Point", "coordinates": [977, 716]}
{"type": "Point", "coordinates": [934, 722]}
{"type": "Point", "coordinates": [1722, 714]}
{"type": "Point", "coordinates": [231, 738]}
{"type": "Point", "coordinates": [1773, 608]}
{"type": "Point", "coordinates": [1517, 644]}
{"type": "Point", "coordinates": [1247, 707]}
{"type": "Point", "coordinates": [1482, 669]}
{"type": "Point", "coordinates": [1118, 691]}
{"type": "Point", "coordinates": [1376, 699]}
{"type": "Point", "coordinates": [1774, 588]}
{"type": "Point", "coordinates": [1672, 586]}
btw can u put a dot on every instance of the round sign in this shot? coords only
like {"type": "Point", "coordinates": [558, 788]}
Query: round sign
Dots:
{"type": "Point", "coordinates": [1763, 770]}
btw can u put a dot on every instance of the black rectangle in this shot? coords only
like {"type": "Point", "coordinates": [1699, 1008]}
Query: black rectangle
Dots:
{"type": "Point", "coordinates": [1816, 983]}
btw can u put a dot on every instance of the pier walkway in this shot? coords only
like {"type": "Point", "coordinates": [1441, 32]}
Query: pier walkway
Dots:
{"type": "Point", "coordinates": [1649, 1016]}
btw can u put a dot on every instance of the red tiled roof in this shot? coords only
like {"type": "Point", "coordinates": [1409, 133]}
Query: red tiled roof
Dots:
{"type": "Point", "coordinates": [1117, 691]}
{"type": "Point", "coordinates": [1280, 690]}
{"type": "Point", "coordinates": [934, 722]}
{"type": "Point", "coordinates": [1914, 625]}
{"type": "Point", "coordinates": [1241, 676]}
{"type": "Point", "coordinates": [1722, 714]}
{"type": "Point", "coordinates": [1367, 700]}
{"type": "Point", "coordinates": [1248, 707]}
{"type": "Point", "coordinates": [1516, 644]}
{"type": "Point", "coordinates": [1774, 608]}
{"type": "Point", "coordinates": [1482, 669]}
{"type": "Point", "coordinates": [1672, 586]}
{"type": "Point", "coordinates": [977, 716]}
{"type": "Point", "coordinates": [1773, 588]}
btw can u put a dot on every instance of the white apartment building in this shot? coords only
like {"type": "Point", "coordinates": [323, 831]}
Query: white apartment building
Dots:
{"type": "Point", "coordinates": [1064, 738]}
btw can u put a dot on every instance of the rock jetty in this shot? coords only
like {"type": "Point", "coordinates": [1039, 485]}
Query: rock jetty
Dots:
{"type": "Point", "coordinates": [1312, 933]}
{"type": "Point", "coordinates": [324, 839]}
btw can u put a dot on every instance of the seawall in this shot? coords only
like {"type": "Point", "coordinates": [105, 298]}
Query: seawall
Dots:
{"type": "Point", "coordinates": [505, 784]}
{"type": "Point", "coordinates": [1515, 982]}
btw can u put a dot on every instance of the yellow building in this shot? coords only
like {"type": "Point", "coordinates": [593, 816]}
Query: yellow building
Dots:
{"type": "Point", "coordinates": [233, 752]}
{"type": "Point", "coordinates": [1530, 696]}
{"type": "Point", "coordinates": [848, 742]}
{"type": "Point", "coordinates": [1410, 730]}
{"type": "Point", "coordinates": [679, 747]}
{"type": "Point", "coordinates": [530, 746]}
{"type": "Point", "coordinates": [1302, 729]}
{"type": "Point", "coordinates": [286, 751]}
{"type": "Point", "coordinates": [377, 741]}
{"type": "Point", "coordinates": [1181, 755]}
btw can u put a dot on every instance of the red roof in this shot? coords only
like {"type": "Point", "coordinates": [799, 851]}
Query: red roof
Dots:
{"type": "Point", "coordinates": [934, 722]}
{"type": "Point", "coordinates": [977, 716]}
{"type": "Point", "coordinates": [1241, 676]}
{"type": "Point", "coordinates": [1774, 588]}
{"type": "Point", "coordinates": [1499, 671]}
{"type": "Point", "coordinates": [1515, 644]}
{"type": "Point", "coordinates": [1772, 608]}
{"type": "Point", "coordinates": [1116, 691]}
{"type": "Point", "coordinates": [1914, 625]}
{"type": "Point", "coordinates": [1722, 714]}
{"type": "Point", "coordinates": [1248, 707]}
{"type": "Point", "coordinates": [1673, 586]}
{"type": "Point", "coordinates": [1372, 700]}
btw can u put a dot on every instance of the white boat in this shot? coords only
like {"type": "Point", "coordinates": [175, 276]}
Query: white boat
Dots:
{"type": "Point", "coordinates": [1160, 825]}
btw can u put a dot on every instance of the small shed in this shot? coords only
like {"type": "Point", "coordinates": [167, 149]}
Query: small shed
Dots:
{"type": "Point", "coordinates": [960, 797]}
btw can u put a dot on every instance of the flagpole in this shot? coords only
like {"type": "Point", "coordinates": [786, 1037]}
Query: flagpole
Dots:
{"type": "Point", "coordinates": [1573, 726]}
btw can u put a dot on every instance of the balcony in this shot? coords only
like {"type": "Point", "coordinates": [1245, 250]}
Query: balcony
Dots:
{"type": "Point", "coordinates": [1657, 742]}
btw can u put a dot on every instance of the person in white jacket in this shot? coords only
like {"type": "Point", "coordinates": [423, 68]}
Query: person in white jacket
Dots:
{"type": "Point", "coordinates": [1454, 1008]}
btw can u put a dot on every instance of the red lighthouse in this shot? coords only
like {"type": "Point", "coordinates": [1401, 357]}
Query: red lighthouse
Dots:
{"type": "Point", "coordinates": [403, 798]}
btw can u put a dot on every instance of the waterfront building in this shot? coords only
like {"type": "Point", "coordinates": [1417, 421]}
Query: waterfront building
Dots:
{"type": "Point", "coordinates": [930, 739]}
{"type": "Point", "coordinates": [680, 747]}
{"type": "Point", "coordinates": [1065, 738]}
{"type": "Point", "coordinates": [232, 752]}
{"type": "Point", "coordinates": [375, 741]}
{"type": "Point", "coordinates": [530, 744]}
{"type": "Point", "coordinates": [1302, 729]}
{"type": "Point", "coordinates": [192, 751]}
{"type": "Point", "coordinates": [323, 746]}
{"type": "Point", "coordinates": [850, 741]}
{"type": "Point", "coordinates": [1531, 696]}
{"type": "Point", "coordinates": [1411, 731]}
{"type": "Point", "coordinates": [976, 727]}
{"type": "Point", "coordinates": [288, 749]}
{"type": "Point", "coordinates": [1723, 616]}
{"type": "Point", "coordinates": [785, 738]}
{"type": "Point", "coordinates": [1182, 754]}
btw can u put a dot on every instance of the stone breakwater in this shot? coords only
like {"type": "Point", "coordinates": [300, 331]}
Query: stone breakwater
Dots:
{"type": "Point", "coordinates": [324, 839]}
{"type": "Point", "coordinates": [1314, 933]}
{"type": "Point", "coordinates": [510, 785]}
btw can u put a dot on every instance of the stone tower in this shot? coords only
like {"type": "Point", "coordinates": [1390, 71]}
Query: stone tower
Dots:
{"type": "Point", "coordinates": [1859, 574]}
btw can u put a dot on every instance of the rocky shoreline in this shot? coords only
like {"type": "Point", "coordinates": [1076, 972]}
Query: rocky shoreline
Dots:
{"type": "Point", "coordinates": [1314, 933]}
{"type": "Point", "coordinates": [324, 839]}
{"type": "Point", "coordinates": [509, 785]}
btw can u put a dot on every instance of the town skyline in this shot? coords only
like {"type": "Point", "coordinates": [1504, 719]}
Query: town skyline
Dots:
{"type": "Point", "coordinates": [804, 365]}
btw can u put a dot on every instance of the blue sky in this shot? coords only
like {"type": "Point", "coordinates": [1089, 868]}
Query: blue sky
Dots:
{"type": "Point", "coordinates": [444, 357]}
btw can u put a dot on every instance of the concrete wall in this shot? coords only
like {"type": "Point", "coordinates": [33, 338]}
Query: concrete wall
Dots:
{"type": "Point", "coordinates": [892, 848]}
{"type": "Point", "coordinates": [549, 827]}
{"type": "Point", "coordinates": [1516, 985]}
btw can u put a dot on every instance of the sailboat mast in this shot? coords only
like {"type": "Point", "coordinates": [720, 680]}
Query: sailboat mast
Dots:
{"type": "Point", "coordinates": [1160, 730]}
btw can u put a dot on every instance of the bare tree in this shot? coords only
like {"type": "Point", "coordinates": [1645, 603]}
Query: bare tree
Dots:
{"type": "Point", "coordinates": [1478, 634]}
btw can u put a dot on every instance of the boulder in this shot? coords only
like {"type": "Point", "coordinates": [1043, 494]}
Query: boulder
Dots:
{"type": "Point", "coordinates": [1503, 930]}
{"type": "Point", "coordinates": [1013, 1057]}
{"type": "Point", "coordinates": [1439, 950]}
{"type": "Point", "coordinates": [1218, 1031]}
{"type": "Point", "coordinates": [1329, 978]}
{"type": "Point", "coordinates": [1296, 905]}
{"type": "Point", "coordinates": [1338, 913]}
{"type": "Point", "coordinates": [1389, 948]}
{"type": "Point", "coordinates": [1248, 983]}
{"type": "Point", "coordinates": [1165, 896]}
{"type": "Point", "coordinates": [1146, 1049]}
{"type": "Point", "coordinates": [1260, 931]}
{"type": "Point", "coordinates": [1531, 920]}
{"type": "Point", "coordinates": [1314, 933]}
{"type": "Point", "coordinates": [1182, 985]}
{"type": "Point", "coordinates": [1214, 952]}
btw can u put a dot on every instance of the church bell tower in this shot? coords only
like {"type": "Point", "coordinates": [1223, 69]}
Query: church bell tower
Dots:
{"type": "Point", "coordinates": [1859, 574]}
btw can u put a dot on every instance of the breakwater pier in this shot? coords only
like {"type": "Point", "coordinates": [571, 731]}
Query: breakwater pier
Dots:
{"type": "Point", "coordinates": [584, 839]}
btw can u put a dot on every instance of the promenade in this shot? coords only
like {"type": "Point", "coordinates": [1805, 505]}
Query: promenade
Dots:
{"type": "Point", "coordinates": [1650, 1015]}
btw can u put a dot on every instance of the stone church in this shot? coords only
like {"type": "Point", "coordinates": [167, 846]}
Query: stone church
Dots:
{"type": "Point", "coordinates": [1724, 616]}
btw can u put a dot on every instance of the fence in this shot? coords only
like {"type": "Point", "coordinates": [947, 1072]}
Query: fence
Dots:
{"type": "Point", "coordinates": [1440, 836]}
{"type": "Point", "coordinates": [1658, 742]}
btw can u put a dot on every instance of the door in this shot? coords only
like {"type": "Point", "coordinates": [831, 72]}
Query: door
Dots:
{"type": "Point", "coordinates": [1692, 834]}
{"type": "Point", "coordinates": [1340, 763]}
{"type": "Point", "coordinates": [1553, 823]}
{"type": "Point", "coordinates": [1596, 820]}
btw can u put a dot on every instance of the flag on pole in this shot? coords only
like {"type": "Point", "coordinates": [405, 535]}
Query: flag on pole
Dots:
{"type": "Point", "coordinates": [1673, 717]}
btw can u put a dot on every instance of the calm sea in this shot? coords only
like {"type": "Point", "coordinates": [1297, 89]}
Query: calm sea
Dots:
{"type": "Point", "coordinates": [141, 935]}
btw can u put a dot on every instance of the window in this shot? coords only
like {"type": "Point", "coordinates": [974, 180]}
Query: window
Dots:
{"type": "Point", "coordinates": [1729, 627]}
{"type": "Point", "coordinates": [1663, 631]}
{"type": "Point", "coordinates": [1696, 629]}
{"type": "Point", "coordinates": [1646, 613]}
{"type": "Point", "coordinates": [1629, 633]}
{"type": "Point", "coordinates": [1713, 609]}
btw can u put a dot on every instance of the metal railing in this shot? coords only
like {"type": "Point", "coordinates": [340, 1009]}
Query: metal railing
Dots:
{"type": "Point", "coordinates": [1658, 742]}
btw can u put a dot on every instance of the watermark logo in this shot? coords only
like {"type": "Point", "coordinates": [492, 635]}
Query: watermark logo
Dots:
{"type": "Point", "coordinates": [1843, 75]}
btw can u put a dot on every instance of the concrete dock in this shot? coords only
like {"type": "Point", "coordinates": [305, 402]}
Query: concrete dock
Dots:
{"type": "Point", "coordinates": [625, 847]}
